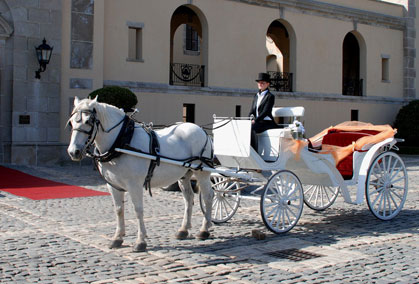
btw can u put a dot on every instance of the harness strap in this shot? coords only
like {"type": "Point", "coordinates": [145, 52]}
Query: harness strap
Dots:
{"type": "Point", "coordinates": [155, 151]}
{"type": "Point", "coordinates": [124, 138]}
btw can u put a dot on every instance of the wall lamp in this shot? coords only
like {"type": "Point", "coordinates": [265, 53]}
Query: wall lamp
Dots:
{"type": "Point", "coordinates": [43, 53]}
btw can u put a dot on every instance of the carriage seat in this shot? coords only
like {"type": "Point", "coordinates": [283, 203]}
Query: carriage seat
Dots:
{"type": "Point", "coordinates": [268, 140]}
{"type": "Point", "coordinates": [342, 138]}
{"type": "Point", "coordinates": [284, 116]}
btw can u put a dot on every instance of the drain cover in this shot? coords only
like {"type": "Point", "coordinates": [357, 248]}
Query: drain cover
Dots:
{"type": "Point", "coordinates": [293, 254]}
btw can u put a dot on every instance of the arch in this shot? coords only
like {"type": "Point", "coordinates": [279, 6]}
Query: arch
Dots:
{"type": "Point", "coordinates": [353, 64]}
{"type": "Point", "coordinates": [189, 18]}
{"type": "Point", "coordinates": [281, 42]}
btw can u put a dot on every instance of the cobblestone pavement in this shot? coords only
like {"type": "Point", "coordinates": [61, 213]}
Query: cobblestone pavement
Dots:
{"type": "Point", "coordinates": [65, 241]}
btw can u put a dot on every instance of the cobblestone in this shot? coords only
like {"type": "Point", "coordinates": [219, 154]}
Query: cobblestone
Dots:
{"type": "Point", "coordinates": [65, 241]}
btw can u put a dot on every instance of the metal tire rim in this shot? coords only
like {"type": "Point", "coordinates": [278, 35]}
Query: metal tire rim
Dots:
{"type": "Point", "coordinates": [386, 186]}
{"type": "Point", "coordinates": [226, 199]}
{"type": "Point", "coordinates": [282, 201]}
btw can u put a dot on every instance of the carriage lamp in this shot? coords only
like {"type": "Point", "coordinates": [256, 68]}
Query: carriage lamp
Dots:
{"type": "Point", "coordinates": [43, 53]}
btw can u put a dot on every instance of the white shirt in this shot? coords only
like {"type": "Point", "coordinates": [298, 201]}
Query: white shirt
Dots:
{"type": "Point", "coordinates": [260, 98]}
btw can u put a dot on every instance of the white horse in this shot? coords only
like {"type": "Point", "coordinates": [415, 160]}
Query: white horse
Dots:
{"type": "Point", "coordinates": [100, 123]}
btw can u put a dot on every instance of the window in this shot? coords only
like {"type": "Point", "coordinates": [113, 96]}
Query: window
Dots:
{"type": "Point", "coordinates": [385, 68]}
{"type": "Point", "coordinates": [238, 110]}
{"type": "Point", "coordinates": [188, 113]}
{"type": "Point", "coordinates": [191, 39]}
{"type": "Point", "coordinates": [135, 41]}
{"type": "Point", "coordinates": [354, 115]}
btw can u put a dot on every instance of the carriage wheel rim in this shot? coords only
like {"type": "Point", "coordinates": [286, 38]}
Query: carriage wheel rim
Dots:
{"type": "Point", "coordinates": [226, 199]}
{"type": "Point", "coordinates": [282, 202]}
{"type": "Point", "coordinates": [320, 197]}
{"type": "Point", "coordinates": [386, 187]}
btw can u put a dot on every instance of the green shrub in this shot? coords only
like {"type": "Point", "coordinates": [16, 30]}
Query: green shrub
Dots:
{"type": "Point", "coordinates": [407, 124]}
{"type": "Point", "coordinates": [116, 96]}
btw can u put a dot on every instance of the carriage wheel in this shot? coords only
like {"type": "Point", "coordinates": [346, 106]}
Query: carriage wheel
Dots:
{"type": "Point", "coordinates": [320, 197]}
{"type": "Point", "coordinates": [226, 199]}
{"type": "Point", "coordinates": [281, 204]}
{"type": "Point", "coordinates": [386, 186]}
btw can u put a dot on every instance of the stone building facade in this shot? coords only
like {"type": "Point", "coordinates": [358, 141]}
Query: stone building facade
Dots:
{"type": "Point", "coordinates": [189, 59]}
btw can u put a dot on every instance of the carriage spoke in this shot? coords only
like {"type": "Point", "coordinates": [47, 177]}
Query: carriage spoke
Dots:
{"type": "Point", "coordinates": [288, 217]}
{"type": "Point", "coordinates": [399, 179]}
{"type": "Point", "coordinates": [378, 196]}
{"type": "Point", "coordinates": [392, 199]}
{"type": "Point", "coordinates": [292, 212]}
{"type": "Point", "coordinates": [276, 208]}
{"type": "Point", "coordinates": [311, 195]}
{"type": "Point", "coordinates": [377, 190]}
{"type": "Point", "coordinates": [396, 194]}
{"type": "Point", "coordinates": [397, 187]}
{"type": "Point", "coordinates": [389, 203]}
{"type": "Point", "coordinates": [380, 203]}
{"type": "Point", "coordinates": [392, 174]}
{"type": "Point", "coordinates": [276, 216]}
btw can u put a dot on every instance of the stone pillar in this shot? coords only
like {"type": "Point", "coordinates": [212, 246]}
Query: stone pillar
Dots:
{"type": "Point", "coordinates": [6, 77]}
{"type": "Point", "coordinates": [410, 52]}
{"type": "Point", "coordinates": [35, 122]}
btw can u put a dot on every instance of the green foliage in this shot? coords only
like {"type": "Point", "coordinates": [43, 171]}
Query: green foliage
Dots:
{"type": "Point", "coordinates": [407, 124]}
{"type": "Point", "coordinates": [116, 96]}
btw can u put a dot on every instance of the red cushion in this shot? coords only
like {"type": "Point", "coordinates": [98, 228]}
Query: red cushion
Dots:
{"type": "Point", "coordinates": [344, 138]}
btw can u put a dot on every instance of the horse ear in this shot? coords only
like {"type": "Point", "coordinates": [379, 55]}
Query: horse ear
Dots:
{"type": "Point", "coordinates": [95, 100]}
{"type": "Point", "coordinates": [76, 100]}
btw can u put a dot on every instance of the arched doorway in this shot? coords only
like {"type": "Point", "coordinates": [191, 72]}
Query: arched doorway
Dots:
{"type": "Point", "coordinates": [188, 47]}
{"type": "Point", "coordinates": [352, 82]}
{"type": "Point", "coordinates": [279, 46]}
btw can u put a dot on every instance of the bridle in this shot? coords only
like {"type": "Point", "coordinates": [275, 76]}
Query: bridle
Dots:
{"type": "Point", "coordinates": [94, 124]}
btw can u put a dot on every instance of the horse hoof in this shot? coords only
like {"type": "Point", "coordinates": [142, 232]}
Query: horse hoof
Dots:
{"type": "Point", "coordinates": [116, 244]}
{"type": "Point", "coordinates": [203, 235]}
{"type": "Point", "coordinates": [181, 235]}
{"type": "Point", "coordinates": [141, 247]}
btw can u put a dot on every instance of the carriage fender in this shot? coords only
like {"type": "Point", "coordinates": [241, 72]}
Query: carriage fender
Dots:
{"type": "Point", "coordinates": [365, 165]}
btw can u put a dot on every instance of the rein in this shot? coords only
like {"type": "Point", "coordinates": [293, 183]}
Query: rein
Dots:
{"type": "Point", "coordinates": [94, 123]}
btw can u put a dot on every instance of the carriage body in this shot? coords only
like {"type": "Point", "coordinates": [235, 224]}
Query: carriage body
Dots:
{"type": "Point", "coordinates": [373, 173]}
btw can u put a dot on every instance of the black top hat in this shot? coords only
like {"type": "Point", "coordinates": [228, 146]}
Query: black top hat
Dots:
{"type": "Point", "coordinates": [264, 77]}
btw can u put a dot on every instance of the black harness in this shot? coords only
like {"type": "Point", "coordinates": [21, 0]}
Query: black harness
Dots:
{"type": "Point", "coordinates": [122, 140]}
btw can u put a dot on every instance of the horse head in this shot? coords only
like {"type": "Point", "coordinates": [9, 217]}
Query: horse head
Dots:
{"type": "Point", "coordinates": [84, 123]}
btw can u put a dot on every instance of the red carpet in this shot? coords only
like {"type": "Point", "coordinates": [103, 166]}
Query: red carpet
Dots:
{"type": "Point", "coordinates": [21, 184]}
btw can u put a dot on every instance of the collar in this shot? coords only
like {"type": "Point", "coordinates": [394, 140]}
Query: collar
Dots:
{"type": "Point", "coordinates": [262, 93]}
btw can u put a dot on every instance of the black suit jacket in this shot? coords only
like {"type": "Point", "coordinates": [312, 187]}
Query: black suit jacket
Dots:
{"type": "Point", "coordinates": [265, 107]}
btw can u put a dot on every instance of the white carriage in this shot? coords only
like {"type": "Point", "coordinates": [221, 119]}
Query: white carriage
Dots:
{"type": "Point", "coordinates": [289, 171]}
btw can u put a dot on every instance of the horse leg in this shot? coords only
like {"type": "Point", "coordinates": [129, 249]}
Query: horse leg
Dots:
{"type": "Point", "coordinates": [207, 193]}
{"type": "Point", "coordinates": [188, 196]}
{"type": "Point", "coordinates": [118, 202]}
{"type": "Point", "coordinates": [137, 200]}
